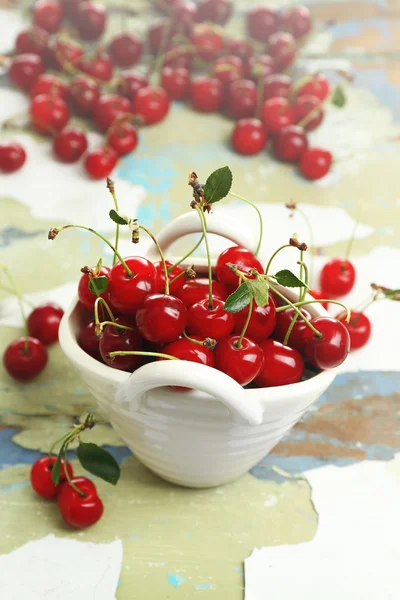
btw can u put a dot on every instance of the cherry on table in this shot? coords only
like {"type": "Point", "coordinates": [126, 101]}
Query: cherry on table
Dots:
{"type": "Point", "coordinates": [359, 328]}
{"type": "Point", "coordinates": [70, 8]}
{"type": "Point", "coordinates": [185, 15]}
{"type": "Point", "coordinates": [89, 341]}
{"type": "Point", "coordinates": [337, 277]}
{"type": "Point", "coordinates": [206, 322]}
{"type": "Point", "coordinates": [159, 33]}
{"type": "Point", "coordinates": [282, 365]}
{"type": "Point", "coordinates": [227, 69]}
{"type": "Point", "coordinates": [276, 113]}
{"type": "Point", "coordinates": [303, 106]}
{"type": "Point", "coordinates": [161, 318]}
{"type": "Point", "coordinates": [262, 21]}
{"type": "Point", "coordinates": [249, 137]}
{"type": "Point", "coordinates": [160, 282]}
{"type": "Point", "coordinates": [100, 163]}
{"type": "Point", "coordinates": [48, 114]}
{"type": "Point", "coordinates": [289, 143]}
{"type": "Point", "coordinates": [242, 364]}
{"type": "Point", "coordinates": [99, 66]}
{"type": "Point", "coordinates": [315, 163]}
{"type": "Point", "coordinates": [40, 476]}
{"type": "Point", "coordinates": [70, 144]}
{"type": "Point", "coordinates": [215, 11]}
{"type": "Point", "coordinates": [277, 85]}
{"type": "Point", "coordinates": [49, 84]}
{"type": "Point", "coordinates": [127, 293]}
{"type": "Point", "coordinates": [296, 20]}
{"type": "Point", "coordinates": [32, 40]}
{"type": "Point", "coordinates": [108, 108]}
{"type": "Point", "coordinates": [240, 48]}
{"type": "Point", "coordinates": [63, 53]}
{"type": "Point", "coordinates": [241, 100]}
{"type": "Point", "coordinates": [85, 295]}
{"type": "Point", "coordinates": [48, 15]}
{"type": "Point", "coordinates": [23, 361]}
{"type": "Point", "coordinates": [90, 20]}
{"type": "Point", "coordinates": [318, 85]}
{"type": "Point", "coordinates": [195, 290]}
{"type": "Point", "coordinates": [152, 104]}
{"type": "Point", "coordinates": [44, 322]}
{"type": "Point", "coordinates": [123, 138]}
{"type": "Point", "coordinates": [262, 321]}
{"type": "Point", "coordinates": [208, 42]}
{"type": "Point", "coordinates": [283, 321]}
{"type": "Point", "coordinates": [242, 258]}
{"type": "Point", "coordinates": [282, 48]}
{"type": "Point", "coordinates": [177, 56]}
{"type": "Point", "coordinates": [331, 349]}
{"type": "Point", "coordinates": [80, 511]}
{"type": "Point", "coordinates": [125, 49]}
{"type": "Point", "coordinates": [83, 94]}
{"type": "Point", "coordinates": [116, 339]}
{"type": "Point", "coordinates": [12, 156]}
{"type": "Point", "coordinates": [130, 83]}
{"type": "Point", "coordinates": [206, 94]}
{"type": "Point", "coordinates": [260, 66]}
{"type": "Point", "coordinates": [25, 69]}
{"type": "Point", "coordinates": [176, 82]}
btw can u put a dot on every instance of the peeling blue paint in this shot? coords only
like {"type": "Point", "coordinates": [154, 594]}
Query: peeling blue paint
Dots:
{"type": "Point", "coordinates": [204, 586]}
{"type": "Point", "coordinates": [176, 580]}
{"type": "Point", "coordinates": [9, 234]}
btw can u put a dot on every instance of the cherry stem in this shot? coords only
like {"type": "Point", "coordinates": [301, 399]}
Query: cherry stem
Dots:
{"type": "Point", "coordinates": [101, 301]}
{"type": "Point", "coordinates": [181, 274]}
{"type": "Point", "coordinates": [259, 218]}
{"type": "Point", "coordinates": [160, 58]}
{"type": "Point", "coordinates": [63, 439]}
{"type": "Point", "coordinates": [164, 264]}
{"type": "Point", "coordinates": [273, 256]}
{"type": "Point", "coordinates": [114, 324]}
{"type": "Point", "coordinates": [249, 313]}
{"type": "Point", "coordinates": [187, 337]}
{"type": "Point", "coordinates": [313, 113]}
{"type": "Point", "coordinates": [137, 353]}
{"type": "Point", "coordinates": [305, 302]}
{"type": "Point", "coordinates": [290, 329]}
{"type": "Point", "coordinates": [111, 188]}
{"type": "Point", "coordinates": [68, 478]}
{"type": "Point", "coordinates": [25, 300]}
{"type": "Point", "coordinates": [311, 239]}
{"type": "Point", "coordinates": [55, 231]}
{"type": "Point", "coordinates": [210, 280]}
{"type": "Point", "coordinates": [186, 255]}
{"type": "Point", "coordinates": [350, 244]}
{"type": "Point", "coordinates": [303, 269]}
{"type": "Point", "coordinates": [20, 302]}
{"type": "Point", "coordinates": [299, 313]}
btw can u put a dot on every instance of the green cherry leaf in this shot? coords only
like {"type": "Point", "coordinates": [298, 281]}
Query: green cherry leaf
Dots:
{"type": "Point", "coordinates": [238, 300]}
{"type": "Point", "coordinates": [218, 185]}
{"type": "Point", "coordinates": [99, 462]}
{"type": "Point", "coordinates": [338, 97]}
{"type": "Point", "coordinates": [98, 285]}
{"type": "Point", "coordinates": [259, 290]}
{"type": "Point", "coordinates": [117, 218]}
{"type": "Point", "coordinates": [288, 279]}
{"type": "Point", "coordinates": [56, 470]}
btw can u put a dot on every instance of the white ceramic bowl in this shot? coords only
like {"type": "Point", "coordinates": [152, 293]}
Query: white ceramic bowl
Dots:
{"type": "Point", "coordinates": [210, 435]}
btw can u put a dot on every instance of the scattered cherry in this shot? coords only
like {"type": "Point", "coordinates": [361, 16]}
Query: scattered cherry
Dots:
{"type": "Point", "coordinates": [184, 15]}
{"type": "Point", "coordinates": [49, 84]}
{"type": "Point", "coordinates": [206, 322]}
{"type": "Point", "coordinates": [70, 8]}
{"type": "Point", "coordinates": [196, 290]}
{"type": "Point", "coordinates": [208, 42]}
{"type": "Point", "coordinates": [130, 83]}
{"type": "Point", "coordinates": [32, 40]}
{"type": "Point", "coordinates": [80, 510]}
{"type": "Point", "coordinates": [244, 261]}
{"type": "Point", "coordinates": [315, 163]}
{"type": "Point", "coordinates": [90, 20]}
{"type": "Point", "coordinates": [242, 364]}
{"type": "Point", "coordinates": [276, 113]}
{"type": "Point", "coordinates": [128, 292]}
{"type": "Point", "coordinates": [242, 49]}
{"type": "Point", "coordinates": [297, 20]}
{"type": "Point", "coordinates": [241, 101]}
{"type": "Point", "coordinates": [108, 108]}
{"type": "Point", "coordinates": [100, 163]}
{"type": "Point", "coordinates": [282, 48]}
{"type": "Point", "coordinates": [283, 321]}
{"type": "Point", "coordinates": [176, 82]}
{"type": "Point", "coordinates": [206, 94]}
{"type": "Point", "coordinates": [116, 339]}
{"type": "Point", "coordinates": [64, 54]}
{"type": "Point", "coordinates": [40, 476]}
{"type": "Point", "coordinates": [289, 143]}
{"type": "Point", "coordinates": [89, 341]}
{"type": "Point", "coordinates": [70, 144]}
{"type": "Point", "coordinates": [262, 321]}
{"type": "Point", "coordinates": [83, 94]}
{"type": "Point", "coordinates": [303, 106]}
{"type": "Point", "coordinates": [48, 15]}
{"type": "Point", "coordinates": [25, 363]}
{"type": "Point", "coordinates": [178, 56]}
{"type": "Point", "coordinates": [25, 69]}
{"type": "Point", "coordinates": [318, 86]}
{"type": "Point", "coordinates": [359, 328]}
{"type": "Point", "coordinates": [329, 350]}
{"type": "Point", "coordinates": [161, 319]}
{"type": "Point", "coordinates": [99, 66]}
{"type": "Point", "coordinates": [249, 137]}
{"type": "Point", "coordinates": [262, 22]}
{"type": "Point", "coordinates": [159, 33]}
{"type": "Point", "coordinates": [123, 138]}
{"type": "Point", "coordinates": [282, 365]}
{"type": "Point", "coordinates": [277, 85]}
{"type": "Point", "coordinates": [215, 11]}
{"type": "Point", "coordinates": [260, 67]}
{"type": "Point", "coordinates": [151, 104]}
{"type": "Point", "coordinates": [48, 113]}
{"type": "Point", "coordinates": [337, 277]}
{"type": "Point", "coordinates": [125, 49]}
{"type": "Point", "coordinates": [227, 69]}
{"type": "Point", "coordinates": [43, 323]}
{"type": "Point", "coordinates": [12, 156]}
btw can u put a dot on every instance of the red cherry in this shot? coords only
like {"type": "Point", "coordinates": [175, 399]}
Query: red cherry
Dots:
{"type": "Point", "coordinates": [315, 163]}
{"type": "Point", "coordinates": [70, 144]}
{"type": "Point", "coordinates": [240, 48]}
{"type": "Point", "coordinates": [329, 350]}
{"type": "Point", "coordinates": [176, 82]}
{"type": "Point", "coordinates": [276, 114]}
{"type": "Point", "coordinates": [70, 8]}
{"type": "Point", "coordinates": [12, 156]}
{"type": "Point", "coordinates": [127, 293]}
{"type": "Point", "coordinates": [297, 20]}
{"type": "Point", "coordinates": [85, 295]}
{"type": "Point", "coordinates": [89, 342]}
{"type": "Point", "coordinates": [262, 21]}
{"type": "Point", "coordinates": [32, 40]}
{"type": "Point", "coordinates": [249, 137]}
{"type": "Point", "coordinates": [178, 56]}
{"type": "Point", "coordinates": [25, 69]}
{"type": "Point", "coordinates": [277, 86]}
{"type": "Point", "coordinates": [282, 48]}
{"type": "Point", "coordinates": [130, 83]}
{"type": "Point", "coordinates": [115, 339]}
{"type": "Point", "coordinates": [242, 258]}
{"type": "Point", "coordinates": [108, 108]}
{"type": "Point", "coordinates": [205, 322]}
{"type": "Point", "coordinates": [160, 282]}
{"type": "Point", "coordinates": [125, 49]}
{"type": "Point", "coordinates": [318, 86]}
{"type": "Point", "coordinates": [206, 94]}
{"type": "Point", "coordinates": [122, 138]}
{"type": "Point", "coordinates": [319, 296]}
{"type": "Point", "coordinates": [49, 114]}
{"type": "Point", "coordinates": [90, 20]}
{"type": "Point", "coordinates": [40, 476]}
{"type": "Point", "coordinates": [99, 66]}
{"type": "Point", "coordinates": [209, 43]}
{"type": "Point", "coordinates": [262, 321]}
{"type": "Point", "coordinates": [283, 321]}
{"type": "Point", "coordinates": [185, 15]}
{"type": "Point", "coordinates": [80, 511]}
{"type": "Point", "coordinates": [195, 290]}
{"type": "Point", "coordinates": [152, 104]}
{"type": "Point", "coordinates": [215, 11]}
{"type": "Point", "coordinates": [227, 69]}
{"type": "Point", "coordinates": [24, 364]}
{"type": "Point", "coordinates": [48, 15]}
{"type": "Point", "coordinates": [160, 33]}
{"type": "Point", "coordinates": [289, 143]}
{"type": "Point", "coordinates": [242, 364]}
{"type": "Point", "coordinates": [161, 319]}
{"type": "Point", "coordinates": [241, 99]}
{"type": "Point", "coordinates": [49, 84]}
{"type": "Point", "coordinates": [337, 277]}
{"type": "Point", "coordinates": [303, 106]}
{"type": "Point", "coordinates": [282, 365]}
{"type": "Point", "coordinates": [100, 163]}
{"type": "Point", "coordinates": [63, 54]}
{"type": "Point", "coordinates": [359, 328]}
{"type": "Point", "coordinates": [260, 67]}
{"type": "Point", "coordinates": [186, 350]}
{"type": "Point", "coordinates": [43, 323]}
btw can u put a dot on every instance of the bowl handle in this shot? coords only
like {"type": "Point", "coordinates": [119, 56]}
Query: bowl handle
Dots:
{"type": "Point", "coordinates": [192, 375]}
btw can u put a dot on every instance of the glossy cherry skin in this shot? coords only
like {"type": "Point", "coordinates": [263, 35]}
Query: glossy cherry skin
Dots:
{"type": "Point", "coordinates": [241, 99]}
{"type": "Point", "coordinates": [249, 137]}
{"type": "Point", "coordinates": [123, 138]}
{"type": "Point", "coordinates": [108, 108]}
{"type": "Point", "coordinates": [76, 510]}
{"type": "Point", "coordinates": [206, 94]}
{"type": "Point", "coordinates": [43, 323]}
{"type": "Point", "coordinates": [213, 323]}
{"type": "Point", "coordinates": [90, 20]}
{"type": "Point", "coordinates": [242, 49]}
{"type": "Point", "coordinates": [282, 48]}
{"type": "Point", "coordinates": [359, 328]}
{"type": "Point", "coordinates": [115, 339]}
{"type": "Point", "coordinates": [99, 66]}
{"type": "Point", "coordinates": [184, 349]}
{"type": "Point", "coordinates": [331, 349]}
{"type": "Point", "coordinates": [48, 114]}
{"type": "Point", "coordinates": [297, 20]}
{"type": "Point", "coordinates": [49, 84]}
{"type": "Point", "coordinates": [23, 364]}
{"type": "Point", "coordinates": [318, 86]}
{"type": "Point", "coordinates": [12, 156]}
{"type": "Point", "coordinates": [337, 277]}
{"type": "Point", "coordinates": [215, 11]}
{"type": "Point", "coordinates": [161, 319]}
{"type": "Point", "coordinates": [277, 85]}
{"type": "Point", "coordinates": [315, 163]}
{"type": "Point", "coordinates": [282, 365]}
{"type": "Point", "coordinates": [283, 320]}
{"type": "Point", "coordinates": [227, 69]}
{"type": "Point", "coordinates": [152, 104]}
{"type": "Point", "coordinates": [62, 54]}
{"type": "Point", "coordinates": [48, 15]}
{"type": "Point", "coordinates": [242, 364]}
{"type": "Point", "coordinates": [289, 143]}
{"type": "Point", "coordinates": [25, 69]}
{"type": "Point", "coordinates": [195, 290]}
{"type": "Point", "coordinates": [262, 321]}
{"type": "Point", "coordinates": [86, 297]}
{"type": "Point", "coordinates": [319, 296]}
{"type": "Point", "coordinates": [40, 476]}
{"type": "Point", "coordinates": [160, 282]}
{"type": "Point", "coordinates": [33, 40]}
{"type": "Point", "coordinates": [83, 94]}
{"type": "Point", "coordinates": [176, 82]}
{"type": "Point", "coordinates": [260, 66]}
{"type": "Point", "coordinates": [130, 83]}
{"type": "Point", "coordinates": [208, 43]}
{"type": "Point", "coordinates": [303, 106]}
{"type": "Point", "coordinates": [276, 113]}
{"type": "Point", "coordinates": [262, 21]}
{"type": "Point", "coordinates": [125, 49]}
{"type": "Point", "coordinates": [70, 144]}
{"type": "Point", "coordinates": [128, 293]}
{"type": "Point", "coordinates": [100, 163]}
{"type": "Point", "coordinates": [88, 340]}
{"type": "Point", "coordinates": [242, 258]}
